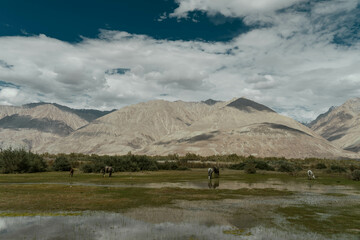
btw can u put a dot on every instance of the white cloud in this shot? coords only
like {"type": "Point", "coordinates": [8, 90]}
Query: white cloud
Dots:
{"type": "Point", "coordinates": [293, 62]}
{"type": "Point", "coordinates": [230, 8]}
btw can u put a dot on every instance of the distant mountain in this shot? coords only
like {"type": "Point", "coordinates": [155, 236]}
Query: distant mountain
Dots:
{"type": "Point", "coordinates": [247, 105]}
{"type": "Point", "coordinates": [41, 124]}
{"type": "Point", "coordinates": [86, 114]}
{"type": "Point", "coordinates": [36, 125]}
{"type": "Point", "coordinates": [341, 125]}
{"type": "Point", "coordinates": [210, 102]}
{"type": "Point", "coordinates": [160, 127]}
{"type": "Point", "coordinates": [320, 117]}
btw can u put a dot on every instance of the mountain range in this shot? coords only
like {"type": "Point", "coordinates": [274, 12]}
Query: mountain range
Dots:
{"type": "Point", "coordinates": [341, 125]}
{"type": "Point", "coordinates": [161, 127]}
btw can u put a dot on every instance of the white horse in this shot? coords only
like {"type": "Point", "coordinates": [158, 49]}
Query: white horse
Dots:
{"type": "Point", "coordinates": [210, 172]}
{"type": "Point", "coordinates": [310, 175]}
{"type": "Point", "coordinates": [214, 170]}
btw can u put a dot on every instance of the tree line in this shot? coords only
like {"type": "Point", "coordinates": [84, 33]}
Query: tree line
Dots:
{"type": "Point", "coordinates": [22, 161]}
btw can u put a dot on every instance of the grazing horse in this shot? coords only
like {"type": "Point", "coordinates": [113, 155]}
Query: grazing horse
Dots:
{"type": "Point", "coordinates": [210, 172]}
{"type": "Point", "coordinates": [310, 175]}
{"type": "Point", "coordinates": [71, 172]}
{"type": "Point", "coordinates": [216, 171]}
{"type": "Point", "coordinates": [213, 170]}
{"type": "Point", "coordinates": [107, 169]}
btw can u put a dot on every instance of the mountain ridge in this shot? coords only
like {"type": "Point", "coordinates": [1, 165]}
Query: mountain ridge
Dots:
{"type": "Point", "coordinates": [160, 127]}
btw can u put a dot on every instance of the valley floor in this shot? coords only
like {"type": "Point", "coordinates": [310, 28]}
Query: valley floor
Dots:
{"type": "Point", "coordinates": [179, 205]}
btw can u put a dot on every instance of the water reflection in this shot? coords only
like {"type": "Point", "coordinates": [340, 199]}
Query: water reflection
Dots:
{"type": "Point", "coordinates": [100, 225]}
{"type": "Point", "coordinates": [213, 183]}
{"type": "Point", "coordinates": [306, 186]}
{"type": "Point", "coordinates": [104, 226]}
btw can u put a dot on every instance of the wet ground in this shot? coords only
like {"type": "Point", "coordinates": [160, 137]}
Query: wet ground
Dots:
{"type": "Point", "coordinates": [246, 217]}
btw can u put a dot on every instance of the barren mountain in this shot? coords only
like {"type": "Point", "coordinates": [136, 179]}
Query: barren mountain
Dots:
{"type": "Point", "coordinates": [36, 125]}
{"type": "Point", "coordinates": [341, 125]}
{"type": "Point", "coordinates": [159, 127]}
{"type": "Point", "coordinates": [132, 128]}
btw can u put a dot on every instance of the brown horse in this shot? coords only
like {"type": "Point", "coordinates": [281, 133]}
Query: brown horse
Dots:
{"type": "Point", "coordinates": [71, 172]}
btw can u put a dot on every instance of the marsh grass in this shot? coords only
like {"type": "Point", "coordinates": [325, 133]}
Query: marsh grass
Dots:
{"type": "Point", "coordinates": [79, 198]}
{"type": "Point", "coordinates": [42, 214]}
{"type": "Point", "coordinates": [40, 194]}
{"type": "Point", "coordinates": [323, 219]}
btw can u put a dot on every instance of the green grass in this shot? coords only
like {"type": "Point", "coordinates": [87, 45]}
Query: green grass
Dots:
{"type": "Point", "coordinates": [324, 219]}
{"type": "Point", "coordinates": [80, 198]}
{"type": "Point", "coordinates": [47, 197]}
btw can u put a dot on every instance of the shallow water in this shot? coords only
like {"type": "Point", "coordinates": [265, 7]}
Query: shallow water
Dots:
{"type": "Point", "coordinates": [307, 186]}
{"type": "Point", "coordinates": [223, 219]}
{"type": "Point", "coordinates": [100, 225]}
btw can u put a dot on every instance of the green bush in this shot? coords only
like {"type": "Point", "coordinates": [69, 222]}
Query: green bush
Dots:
{"type": "Point", "coordinates": [262, 165]}
{"type": "Point", "coordinates": [87, 168]}
{"type": "Point", "coordinates": [337, 168]}
{"type": "Point", "coordinates": [238, 166]}
{"type": "Point", "coordinates": [250, 168]}
{"type": "Point", "coordinates": [355, 175]}
{"type": "Point", "coordinates": [168, 166]}
{"type": "Point", "coordinates": [353, 167]}
{"type": "Point", "coordinates": [61, 164]}
{"type": "Point", "coordinates": [286, 167]}
{"type": "Point", "coordinates": [21, 161]}
{"type": "Point", "coordinates": [320, 166]}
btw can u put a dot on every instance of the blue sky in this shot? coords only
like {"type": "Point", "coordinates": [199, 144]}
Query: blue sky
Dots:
{"type": "Point", "coordinates": [297, 56]}
{"type": "Point", "coordinates": [68, 20]}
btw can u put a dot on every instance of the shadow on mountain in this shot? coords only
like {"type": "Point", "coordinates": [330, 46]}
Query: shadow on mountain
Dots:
{"type": "Point", "coordinates": [86, 114]}
{"type": "Point", "coordinates": [247, 105]}
{"type": "Point", "coordinates": [43, 124]}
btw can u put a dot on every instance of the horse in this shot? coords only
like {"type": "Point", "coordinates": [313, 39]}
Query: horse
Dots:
{"type": "Point", "coordinates": [71, 172]}
{"type": "Point", "coordinates": [210, 172]}
{"type": "Point", "coordinates": [107, 169]}
{"type": "Point", "coordinates": [310, 175]}
{"type": "Point", "coordinates": [214, 170]}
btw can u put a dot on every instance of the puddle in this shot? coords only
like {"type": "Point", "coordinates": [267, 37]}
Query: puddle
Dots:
{"type": "Point", "coordinates": [100, 225]}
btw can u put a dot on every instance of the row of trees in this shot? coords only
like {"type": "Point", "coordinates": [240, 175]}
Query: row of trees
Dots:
{"type": "Point", "coordinates": [22, 161]}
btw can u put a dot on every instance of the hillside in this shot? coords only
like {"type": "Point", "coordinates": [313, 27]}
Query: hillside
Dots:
{"type": "Point", "coordinates": [159, 128]}
{"type": "Point", "coordinates": [33, 126]}
{"type": "Point", "coordinates": [341, 125]}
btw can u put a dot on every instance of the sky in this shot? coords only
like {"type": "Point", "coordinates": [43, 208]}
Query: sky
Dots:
{"type": "Point", "coordinates": [298, 57]}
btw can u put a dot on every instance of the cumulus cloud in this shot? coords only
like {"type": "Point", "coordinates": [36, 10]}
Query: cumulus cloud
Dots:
{"type": "Point", "coordinates": [292, 65]}
{"type": "Point", "coordinates": [230, 8]}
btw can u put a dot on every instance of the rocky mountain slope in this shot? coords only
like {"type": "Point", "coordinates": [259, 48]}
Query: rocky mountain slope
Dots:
{"type": "Point", "coordinates": [159, 128]}
{"type": "Point", "coordinates": [341, 125]}
{"type": "Point", "coordinates": [36, 125]}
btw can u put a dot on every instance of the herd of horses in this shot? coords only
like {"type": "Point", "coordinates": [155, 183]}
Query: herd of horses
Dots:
{"type": "Point", "coordinates": [214, 170]}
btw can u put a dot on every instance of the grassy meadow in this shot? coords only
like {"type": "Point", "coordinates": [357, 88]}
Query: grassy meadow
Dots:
{"type": "Point", "coordinates": [249, 192]}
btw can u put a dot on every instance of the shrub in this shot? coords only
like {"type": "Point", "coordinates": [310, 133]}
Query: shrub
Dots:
{"type": "Point", "coordinates": [337, 168]}
{"type": "Point", "coordinates": [262, 165]}
{"type": "Point", "coordinates": [286, 167]}
{"type": "Point", "coordinates": [61, 164]}
{"type": "Point", "coordinates": [250, 168]}
{"type": "Point", "coordinates": [238, 166]}
{"type": "Point", "coordinates": [37, 164]}
{"type": "Point", "coordinates": [87, 168]}
{"type": "Point", "coordinates": [353, 167]}
{"type": "Point", "coordinates": [168, 166]}
{"type": "Point", "coordinates": [320, 166]}
{"type": "Point", "coordinates": [21, 161]}
{"type": "Point", "coordinates": [355, 175]}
